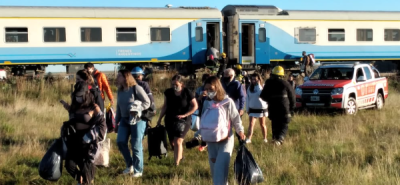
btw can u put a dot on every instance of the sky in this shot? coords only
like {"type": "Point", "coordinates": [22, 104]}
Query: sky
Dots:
{"type": "Point", "coordinates": [373, 5]}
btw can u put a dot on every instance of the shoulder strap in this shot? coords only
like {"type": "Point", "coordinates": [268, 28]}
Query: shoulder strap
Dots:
{"type": "Point", "coordinates": [134, 92]}
{"type": "Point", "coordinates": [223, 102]}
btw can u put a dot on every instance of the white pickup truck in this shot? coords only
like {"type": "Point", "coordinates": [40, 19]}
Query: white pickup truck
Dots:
{"type": "Point", "coordinates": [340, 85]}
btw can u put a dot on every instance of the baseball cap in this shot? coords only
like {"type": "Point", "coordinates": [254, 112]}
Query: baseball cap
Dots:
{"type": "Point", "coordinates": [81, 88]}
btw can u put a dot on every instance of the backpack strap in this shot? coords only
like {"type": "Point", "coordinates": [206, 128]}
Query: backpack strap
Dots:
{"type": "Point", "coordinates": [96, 83]}
{"type": "Point", "coordinates": [134, 92]}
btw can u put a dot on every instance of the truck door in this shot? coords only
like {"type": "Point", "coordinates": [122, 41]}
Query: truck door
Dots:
{"type": "Point", "coordinates": [262, 45]}
{"type": "Point", "coordinates": [199, 42]}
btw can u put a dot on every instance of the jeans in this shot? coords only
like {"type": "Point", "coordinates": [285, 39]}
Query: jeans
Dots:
{"type": "Point", "coordinates": [220, 152]}
{"type": "Point", "coordinates": [137, 134]}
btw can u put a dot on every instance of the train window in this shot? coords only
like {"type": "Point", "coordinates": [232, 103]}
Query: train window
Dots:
{"type": "Point", "coordinates": [199, 34]}
{"type": "Point", "coordinates": [306, 35]}
{"type": "Point", "coordinates": [392, 34]}
{"type": "Point", "coordinates": [160, 34]}
{"type": "Point", "coordinates": [54, 34]}
{"type": "Point", "coordinates": [364, 35]}
{"type": "Point", "coordinates": [16, 34]}
{"type": "Point", "coordinates": [126, 34]}
{"type": "Point", "coordinates": [262, 36]}
{"type": "Point", "coordinates": [91, 35]}
{"type": "Point", "coordinates": [336, 35]}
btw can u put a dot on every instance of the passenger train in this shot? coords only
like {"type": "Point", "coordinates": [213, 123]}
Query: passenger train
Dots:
{"type": "Point", "coordinates": [253, 36]}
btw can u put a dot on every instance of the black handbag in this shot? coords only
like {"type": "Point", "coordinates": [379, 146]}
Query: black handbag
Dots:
{"type": "Point", "coordinates": [180, 125]}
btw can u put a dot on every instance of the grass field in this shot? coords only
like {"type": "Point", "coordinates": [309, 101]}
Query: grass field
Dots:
{"type": "Point", "coordinates": [319, 149]}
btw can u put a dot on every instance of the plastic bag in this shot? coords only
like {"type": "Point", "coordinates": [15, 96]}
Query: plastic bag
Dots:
{"type": "Point", "coordinates": [246, 169]}
{"type": "Point", "coordinates": [50, 168]}
{"type": "Point", "coordinates": [103, 154]}
{"type": "Point", "coordinates": [195, 121]}
{"type": "Point", "coordinates": [110, 119]}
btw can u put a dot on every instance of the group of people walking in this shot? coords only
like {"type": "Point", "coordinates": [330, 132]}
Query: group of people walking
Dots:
{"type": "Point", "coordinates": [274, 99]}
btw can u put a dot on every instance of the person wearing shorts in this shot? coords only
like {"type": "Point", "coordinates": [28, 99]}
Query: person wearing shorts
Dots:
{"type": "Point", "coordinates": [179, 105]}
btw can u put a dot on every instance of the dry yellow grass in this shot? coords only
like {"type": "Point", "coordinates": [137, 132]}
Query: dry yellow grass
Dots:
{"type": "Point", "coordinates": [319, 149]}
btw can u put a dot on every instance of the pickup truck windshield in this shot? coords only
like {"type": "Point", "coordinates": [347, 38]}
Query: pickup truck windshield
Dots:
{"type": "Point", "coordinates": [333, 74]}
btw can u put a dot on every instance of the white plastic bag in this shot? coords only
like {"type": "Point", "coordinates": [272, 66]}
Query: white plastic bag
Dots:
{"type": "Point", "coordinates": [103, 153]}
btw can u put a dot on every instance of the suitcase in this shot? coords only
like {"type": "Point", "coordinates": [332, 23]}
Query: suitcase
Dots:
{"type": "Point", "coordinates": [157, 142]}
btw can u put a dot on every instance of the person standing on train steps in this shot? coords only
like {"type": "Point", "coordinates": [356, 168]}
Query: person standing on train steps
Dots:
{"type": "Point", "coordinates": [307, 63]}
{"type": "Point", "coordinates": [234, 89]}
{"type": "Point", "coordinates": [211, 60]}
{"type": "Point", "coordinates": [281, 100]}
{"type": "Point", "coordinates": [101, 81]}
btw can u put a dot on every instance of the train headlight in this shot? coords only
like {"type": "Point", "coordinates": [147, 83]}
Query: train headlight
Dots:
{"type": "Point", "coordinates": [337, 91]}
{"type": "Point", "coordinates": [299, 91]}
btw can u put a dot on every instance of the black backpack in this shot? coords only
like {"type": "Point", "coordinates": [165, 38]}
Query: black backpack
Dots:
{"type": "Point", "coordinates": [157, 142]}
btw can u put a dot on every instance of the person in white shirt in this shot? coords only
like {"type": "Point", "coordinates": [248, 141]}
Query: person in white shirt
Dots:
{"type": "Point", "coordinates": [256, 107]}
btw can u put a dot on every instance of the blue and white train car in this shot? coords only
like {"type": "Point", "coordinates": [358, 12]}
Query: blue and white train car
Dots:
{"type": "Point", "coordinates": [266, 34]}
{"type": "Point", "coordinates": [76, 35]}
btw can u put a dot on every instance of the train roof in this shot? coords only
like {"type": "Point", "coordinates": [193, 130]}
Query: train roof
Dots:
{"type": "Point", "coordinates": [275, 13]}
{"type": "Point", "coordinates": [109, 12]}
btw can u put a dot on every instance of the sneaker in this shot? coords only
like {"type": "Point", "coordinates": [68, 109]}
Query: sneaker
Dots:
{"type": "Point", "coordinates": [128, 170]}
{"type": "Point", "coordinates": [248, 141]}
{"type": "Point", "coordinates": [265, 140]}
{"type": "Point", "coordinates": [202, 148]}
{"type": "Point", "coordinates": [278, 143]}
{"type": "Point", "coordinates": [137, 175]}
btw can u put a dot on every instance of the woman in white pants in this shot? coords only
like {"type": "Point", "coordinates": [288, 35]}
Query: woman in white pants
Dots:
{"type": "Point", "coordinates": [255, 107]}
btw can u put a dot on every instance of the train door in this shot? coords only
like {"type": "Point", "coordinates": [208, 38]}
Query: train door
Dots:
{"type": "Point", "coordinates": [261, 45]}
{"type": "Point", "coordinates": [199, 42]}
{"type": "Point", "coordinates": [247, 43]}
{"type": "Point", "coordinates": [213, 37]}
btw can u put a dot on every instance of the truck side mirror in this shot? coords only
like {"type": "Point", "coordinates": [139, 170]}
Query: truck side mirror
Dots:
{"type": "Point", "coordinates": [361, 79]}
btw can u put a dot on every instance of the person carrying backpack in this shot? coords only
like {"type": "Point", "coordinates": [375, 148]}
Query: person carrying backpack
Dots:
{"type": "Point", "coordinates": [101, 82]}
{"type": "Point", "coordinates": [307, 62]}
{"type": "Point", "coordinates": [129, 124]}
{"type": "Point", "coordinates": [218, 117]}
{"type": "Point", "coordinates": [148, 114]}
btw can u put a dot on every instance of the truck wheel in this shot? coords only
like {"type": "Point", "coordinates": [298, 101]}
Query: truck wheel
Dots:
{"type": "Point", "coordinates": [379, 101]}
{"type": "Point", "coordinates": [351, 108]}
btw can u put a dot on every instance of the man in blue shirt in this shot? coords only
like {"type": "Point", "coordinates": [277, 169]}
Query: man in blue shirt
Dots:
{"type": "Point", "coordinates": [234, 89]}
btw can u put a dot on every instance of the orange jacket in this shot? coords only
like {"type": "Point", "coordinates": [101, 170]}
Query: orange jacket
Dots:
{"type": "Point", "coordinates": [102, 82]}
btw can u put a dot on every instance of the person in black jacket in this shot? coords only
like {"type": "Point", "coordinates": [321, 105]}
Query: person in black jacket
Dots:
{"type": "Point", "coordinates": [281, 99]}
{"type": "Point", "coordinates": [82, 133]}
